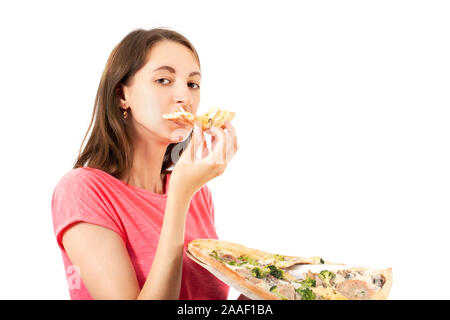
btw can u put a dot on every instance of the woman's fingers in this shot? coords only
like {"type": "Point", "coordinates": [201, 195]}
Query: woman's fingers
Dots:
{"type": "Point", "coordinates": [224, 144]}
{"type": "Point", "coordinates": [233, 146]}
{"type": "Point", "coordinates": [217, 144]}
{"type": "Point", "coordinates": [205, 152]}
{"type": "Point", "coordinates": [213, 138]}
{"type": "Point", "coordinates": [196, 142]}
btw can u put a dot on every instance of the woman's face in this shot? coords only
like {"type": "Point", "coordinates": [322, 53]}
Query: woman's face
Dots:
{"type": "Point", "coordinates": [169, 79]}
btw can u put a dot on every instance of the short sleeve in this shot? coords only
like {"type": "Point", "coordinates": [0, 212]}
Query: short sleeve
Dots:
{"type": "Point", "coordinates": [78, 198]}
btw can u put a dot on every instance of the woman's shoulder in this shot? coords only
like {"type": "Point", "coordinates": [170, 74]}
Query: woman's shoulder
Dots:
{"type": "Point", "coordinates": [80, 177]}
{"type": "Point", "coordinates": [80, 185]}
{"type": "Point", "coordinates": [79, 196]}
{"type": "Point", "coordinates": [77, 175]}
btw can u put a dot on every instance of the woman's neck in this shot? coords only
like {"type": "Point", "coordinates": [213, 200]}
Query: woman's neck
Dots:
{"type": "Point", "coordinates": [147, 165]}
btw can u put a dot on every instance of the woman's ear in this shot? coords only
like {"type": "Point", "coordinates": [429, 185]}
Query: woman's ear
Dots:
{"type": "Point", "coordinates": [121, 96]}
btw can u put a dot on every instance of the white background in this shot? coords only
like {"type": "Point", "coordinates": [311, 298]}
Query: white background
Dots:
{"type": "Point", "coordinates": [343, 112]}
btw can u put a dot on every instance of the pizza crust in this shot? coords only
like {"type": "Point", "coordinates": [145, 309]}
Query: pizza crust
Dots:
{"type": "Point", "coordinates": [237, 250]}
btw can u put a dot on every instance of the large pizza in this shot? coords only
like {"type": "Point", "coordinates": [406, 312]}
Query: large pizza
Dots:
{"type": "Point", "coordinates": [264, 276]}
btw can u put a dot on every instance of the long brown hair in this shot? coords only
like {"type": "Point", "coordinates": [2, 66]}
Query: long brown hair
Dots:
{"type": "Point", "coordinates": [110, 146]}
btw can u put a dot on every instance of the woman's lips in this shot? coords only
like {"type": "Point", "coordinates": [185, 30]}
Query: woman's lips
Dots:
{"type": "Point", "coordinates": [180, 124]}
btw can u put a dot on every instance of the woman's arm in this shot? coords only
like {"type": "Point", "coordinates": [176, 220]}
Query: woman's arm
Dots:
{"type": "Point", "coordinates": [102, 260]}
{"type": "Point", "coordinates": [105, 266]}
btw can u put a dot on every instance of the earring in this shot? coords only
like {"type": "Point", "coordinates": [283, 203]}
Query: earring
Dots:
{"type": "Point", "coordinates": [125, 112]}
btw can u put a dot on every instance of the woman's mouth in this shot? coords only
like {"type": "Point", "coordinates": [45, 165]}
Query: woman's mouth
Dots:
{"type": "Point", "coordinates": [181, 124]}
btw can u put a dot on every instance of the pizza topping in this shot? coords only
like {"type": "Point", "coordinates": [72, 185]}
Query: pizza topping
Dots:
{"type": "Point", "coordinates": [287, 290]}
{"type": "Point", "coordinates": [346, 275]}
{"type": "Point", "coordinates": [249, 260]}
{"type": "Point", "coordinates": [247, 275]}
{"type": "Point", "coordinates": [260, 273]}
{"type": "Point", "coordinates": [306, 294]}
{"type": "Point", "coordinates": [284, 291]}
{"type": "Point", "coordinates": [378, 280]}
{"type": "Point", "coordinates": [244, 272]}
{"type": "Point", "coordinates": [271, 280]}
{"type": "Point", "coordinates": [276, 272]}
{"type": "Point", "coordinates": [304, 290]}
{"type": "Point", "coordinates": [274, 290]}
{"type": "Point", "coordinates": [229, 258]}
{"type": "Point", "coordinates": [216, 256]}
{"type": "Point", "coordinates": [319, 282]}
{"type": "Point", "coordinates": [232, 260]}
{"type": "Point", "coordinates": [309, 282]}
{"type": "Point", "coordinates": [327, 278]}
{"type": "Point", "coordinates": [355, 289]}
{"type": "Point", "coordinates": [350, 276]}
{"type": "Point", "coordinates": [274, 259]}
{"type": "Point", "coordinates": [256, 281]}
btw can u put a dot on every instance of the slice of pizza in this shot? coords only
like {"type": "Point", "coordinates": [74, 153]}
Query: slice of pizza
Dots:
{"type": "Point", "coordinates": [214, 117]}
{"type": "Point", "coordinates": [180, 116]}
{"type": "Point", "coordinates": [262, 275]}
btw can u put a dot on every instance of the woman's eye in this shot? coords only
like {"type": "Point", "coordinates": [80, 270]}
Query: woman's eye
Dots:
{"type": "Point", "coordinates": [162, 80]}
{"type": "Point", "coordinates": [194, 85]}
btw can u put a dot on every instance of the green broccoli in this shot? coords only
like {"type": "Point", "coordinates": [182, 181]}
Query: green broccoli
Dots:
{"type": "Point", "coordinates": [260, 273]}
{"type": "Point", "coordinates": [306, 293]}
{"type": "Point", "coordinates": [305, 290]}
{"type": "Point", "coordinates": [326, 277]}
{"type": "Point", "coordinates": [276, 272]}
{"type": "Point", "coordinates": [278, 257]}
{"type": "Point", "coordinates": [308, 283]}
{"type": "Point", "coordinates": [248, 260]}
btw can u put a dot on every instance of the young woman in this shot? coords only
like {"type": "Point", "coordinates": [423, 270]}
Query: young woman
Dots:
{"type": "Point", "coordinates": [123, 216]}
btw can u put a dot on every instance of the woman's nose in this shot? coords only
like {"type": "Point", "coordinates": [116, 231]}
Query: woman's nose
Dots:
{"type": "Point", "coordinates": [182, 95]}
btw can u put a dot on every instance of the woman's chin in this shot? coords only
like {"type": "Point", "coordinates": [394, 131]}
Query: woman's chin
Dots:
{"type": "Point", "coordinates": [180, 134]}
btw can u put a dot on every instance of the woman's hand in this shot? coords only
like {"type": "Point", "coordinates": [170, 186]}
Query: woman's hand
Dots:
{"type": "Point", "coordinates": [191, 172]}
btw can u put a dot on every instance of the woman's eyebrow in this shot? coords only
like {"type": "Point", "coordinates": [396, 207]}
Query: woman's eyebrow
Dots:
{"type": "Point", "coordinates": [172, 70]}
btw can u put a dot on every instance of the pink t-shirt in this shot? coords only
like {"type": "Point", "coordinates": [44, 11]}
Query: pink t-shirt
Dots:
{"type": "Point", "coordinates": [94, 196]}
